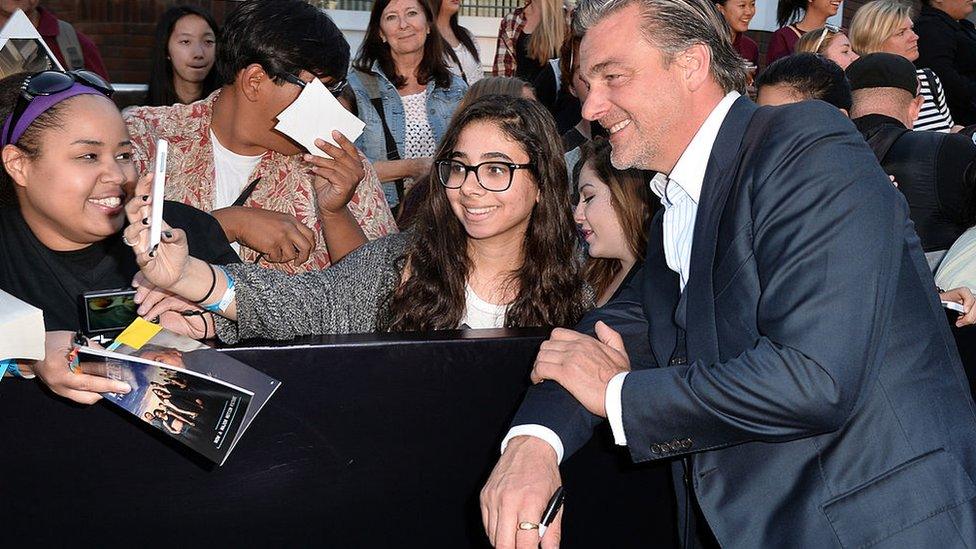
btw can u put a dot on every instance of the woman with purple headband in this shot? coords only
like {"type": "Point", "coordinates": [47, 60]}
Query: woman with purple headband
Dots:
{"type": "Point", "coordinates": [67, 167]}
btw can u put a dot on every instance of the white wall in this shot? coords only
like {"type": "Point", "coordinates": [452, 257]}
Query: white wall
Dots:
{"type": "Point", "coordinates": [485, 29]}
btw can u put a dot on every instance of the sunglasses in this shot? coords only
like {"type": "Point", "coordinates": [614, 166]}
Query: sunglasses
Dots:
{"type": "Point", "coordinates": [49, 83]}
{"type": "Point", "coordinates": [335, 89]}
{"type": "Point", "coordinates": [823, 36]}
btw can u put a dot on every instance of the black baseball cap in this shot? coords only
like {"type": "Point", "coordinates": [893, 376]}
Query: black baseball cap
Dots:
{"type": "Point", "coordinates": [883, 70]}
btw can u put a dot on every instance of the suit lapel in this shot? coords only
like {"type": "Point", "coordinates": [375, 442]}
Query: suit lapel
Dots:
{"type": "Point", "coordinates": [719, 176]}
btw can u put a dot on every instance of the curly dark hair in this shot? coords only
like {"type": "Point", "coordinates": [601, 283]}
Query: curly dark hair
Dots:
{"type": "Point", "coordinates": [551, 291]}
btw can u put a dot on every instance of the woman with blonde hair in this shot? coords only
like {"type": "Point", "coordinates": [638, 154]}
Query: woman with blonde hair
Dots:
{"type": "Point", "coordinates": [886, 26]}
{"type": "Point", "coordinates": [831, 43]}
{"type": "Point", "coordinates": [529, 37]}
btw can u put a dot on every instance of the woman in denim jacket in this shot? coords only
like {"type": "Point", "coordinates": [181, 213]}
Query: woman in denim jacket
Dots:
{"type": "Point", "coordinates": [404, 91]}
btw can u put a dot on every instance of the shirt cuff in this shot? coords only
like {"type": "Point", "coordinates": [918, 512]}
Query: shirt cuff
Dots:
{"type": "Point", "coordinates": [614, 407]}
{"type": "Point", "coordinates": [538, 431]}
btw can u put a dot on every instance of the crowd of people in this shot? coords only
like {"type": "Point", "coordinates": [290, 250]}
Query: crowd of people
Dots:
{"type": "Point", "coordinates": [570, 184]}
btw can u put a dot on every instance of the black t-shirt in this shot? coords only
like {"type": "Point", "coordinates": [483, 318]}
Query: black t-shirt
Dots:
{"type": "Point", "coordinates": [53, 281]}
{"type": "Point", "coordinates": [526, 68]}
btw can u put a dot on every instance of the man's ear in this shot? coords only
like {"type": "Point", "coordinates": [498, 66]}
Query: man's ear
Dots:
{"type": "Point", "coordinates": [914, 108]}
{"type": "Point", "coordinates": [695, 63]}
{"type": "Point", "coordinates": [250, 80]}
{"type": "Point", "coordinates": [17, 164]}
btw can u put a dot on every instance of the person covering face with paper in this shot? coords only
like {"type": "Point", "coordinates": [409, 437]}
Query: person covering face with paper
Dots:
{"type": "Point", "coordinates": [228, 158]}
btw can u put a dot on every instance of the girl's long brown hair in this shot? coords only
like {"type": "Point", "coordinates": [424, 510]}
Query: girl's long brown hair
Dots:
{"type": "Point", "coordinates": [631, 200]}
{"type": "Point", "coordinates": [550, 289]}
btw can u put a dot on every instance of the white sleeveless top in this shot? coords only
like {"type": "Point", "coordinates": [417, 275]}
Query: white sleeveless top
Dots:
{"type": "Point", "coordinates": [478, 313]}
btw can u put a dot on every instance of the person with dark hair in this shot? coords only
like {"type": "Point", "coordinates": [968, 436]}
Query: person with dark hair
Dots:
{"type": "Point", "coordinates": [73, 49]}
{"type": "Point", "coordinates": [67, 171]}
{"type": "Point", "coordinates": [613, 212]}
{"type": "Point", "coordinates": [462, 50]}
{"type": "Point", "coordinates": [801, 381]}
{"type": "Point", "coordinates": [935, 171]}
{"type": "Point", "coordinates": [831, 43]}
{"type": "Point", "coordinates": [947, 45]}
{"type": "Point", "coordinates": [792, 26]}
{"type": "Point", "coordinates": [404, 91]}
{"type": "Point", "coordinates": [271, 196]}
{"type": "Point", "coordinates": [493, 246]}
{"type": "Point", "coordinates": [738, 14]}
{"type": "Point", "coordinates": [183, 57]}
{"type": "Point", "coordinates": [886, 26]}
{"type": "Point", "coordinates": [804, 76]}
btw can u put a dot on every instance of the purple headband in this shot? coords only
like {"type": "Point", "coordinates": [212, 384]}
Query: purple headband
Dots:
{"type": "Point", "coordinates": [38, 106]}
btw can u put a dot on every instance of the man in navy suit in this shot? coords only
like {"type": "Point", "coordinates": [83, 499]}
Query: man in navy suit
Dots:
{"type": "Point", "coordinates": [801, 376]}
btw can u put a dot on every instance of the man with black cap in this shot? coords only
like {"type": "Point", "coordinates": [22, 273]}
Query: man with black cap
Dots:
{"type": "Point", "coordinates": [935, 171]}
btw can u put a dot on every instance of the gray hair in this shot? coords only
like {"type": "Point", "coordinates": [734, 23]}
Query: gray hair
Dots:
{"type": "Point", "coordinates": [673, 26]}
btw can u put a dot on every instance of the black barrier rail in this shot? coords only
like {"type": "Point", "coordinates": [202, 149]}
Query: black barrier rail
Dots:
{"type": "Point", "coordinates": [372, 441]}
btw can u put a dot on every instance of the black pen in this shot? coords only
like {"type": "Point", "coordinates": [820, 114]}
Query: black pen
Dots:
{"type": "Point", "coordinates": [552, 509]}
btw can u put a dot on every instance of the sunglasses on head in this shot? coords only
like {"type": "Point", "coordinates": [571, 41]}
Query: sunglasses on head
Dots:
{"type": "Point", "coordinates": [49, 83]}
{"type": "Point", "coordinates": [823, 36]}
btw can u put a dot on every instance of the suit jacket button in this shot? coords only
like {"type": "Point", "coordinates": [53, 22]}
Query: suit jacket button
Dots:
{"type": "Point", "coordinates": [655, 449]}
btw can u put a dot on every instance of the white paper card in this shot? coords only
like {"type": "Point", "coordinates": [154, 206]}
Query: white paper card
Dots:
{"type": "Point", "coordinates": [21, 329]}
{"type": "Point", "coordinates": [314, 115]}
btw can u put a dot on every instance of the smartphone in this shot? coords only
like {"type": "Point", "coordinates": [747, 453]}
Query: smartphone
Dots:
{"type": "Point", "coordinates": [159, 182]}
{"type": "Point", "coordinates": [107, 312]}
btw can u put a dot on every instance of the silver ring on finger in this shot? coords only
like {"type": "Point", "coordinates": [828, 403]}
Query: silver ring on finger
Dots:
{"type": "Point", "coordinates": [526, 525]}
{"type": "Point", "coordinates": [126, 241]}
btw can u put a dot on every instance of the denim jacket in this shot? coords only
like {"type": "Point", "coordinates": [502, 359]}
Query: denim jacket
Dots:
{"type": "Point", "coordinates": [441, 103]}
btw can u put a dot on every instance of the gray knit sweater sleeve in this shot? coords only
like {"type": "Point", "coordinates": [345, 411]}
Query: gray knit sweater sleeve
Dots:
{"type": "Point", "coordinates": [344, 298]}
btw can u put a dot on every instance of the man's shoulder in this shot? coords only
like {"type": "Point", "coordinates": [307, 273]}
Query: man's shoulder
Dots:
{"type": "Point", "coordinates": [810, 119]}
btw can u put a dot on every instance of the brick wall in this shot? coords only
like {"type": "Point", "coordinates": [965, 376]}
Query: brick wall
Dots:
{"type": "Point", "coordinates": [123, 29]}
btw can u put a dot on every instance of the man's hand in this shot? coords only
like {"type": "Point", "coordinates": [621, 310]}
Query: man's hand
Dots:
{"type": "Point", "coordinates": [55, 372]}
{"type": "Point", "coordinates": [279, 236]}
{"type": "Point", "coordinates": [518, 489]}
{"type": "Point", "coordinates": [965, 297]}
{"type": "Point", "coordinates": [336, 179]}
{"type": "Point", "coordinates": [582, 364]}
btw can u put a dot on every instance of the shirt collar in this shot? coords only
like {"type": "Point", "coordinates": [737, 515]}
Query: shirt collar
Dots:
{"type": "Point", "coordinates": [689, 171]}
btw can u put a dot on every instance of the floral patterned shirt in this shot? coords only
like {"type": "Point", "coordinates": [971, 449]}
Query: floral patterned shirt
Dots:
{"type": "Point", "coordinates": [285, 186]}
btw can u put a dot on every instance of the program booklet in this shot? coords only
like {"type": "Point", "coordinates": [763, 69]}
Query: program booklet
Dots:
{"type": "Point", "coordinates": [204, 399]}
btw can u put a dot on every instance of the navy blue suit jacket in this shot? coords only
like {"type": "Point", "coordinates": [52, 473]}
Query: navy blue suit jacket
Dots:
{"type": "Point", "coordinates": [823, 402]}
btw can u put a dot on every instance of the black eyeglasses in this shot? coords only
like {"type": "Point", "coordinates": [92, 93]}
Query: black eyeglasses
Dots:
{"type": "Point", "coordinates": [493, 175]}
{"type": "Point", "coordinates": [49, 83]}
{"type": "Point", "coordinates": [335, 89]}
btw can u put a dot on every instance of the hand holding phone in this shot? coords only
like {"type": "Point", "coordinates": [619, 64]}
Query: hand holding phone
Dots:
{"type": "Point", "coordinates": [159, 182]}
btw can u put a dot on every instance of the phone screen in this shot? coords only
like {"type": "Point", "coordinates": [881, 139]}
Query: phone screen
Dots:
{"type": "Point", "coordinates": [110, 311]}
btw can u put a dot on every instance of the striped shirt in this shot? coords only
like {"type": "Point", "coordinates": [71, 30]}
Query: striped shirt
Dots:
{"type": "Point", "coordinates": [934, 115]}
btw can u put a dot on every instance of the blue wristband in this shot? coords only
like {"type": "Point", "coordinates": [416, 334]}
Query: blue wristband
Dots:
{"type": "Point", "coordinates": [228, 297]}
